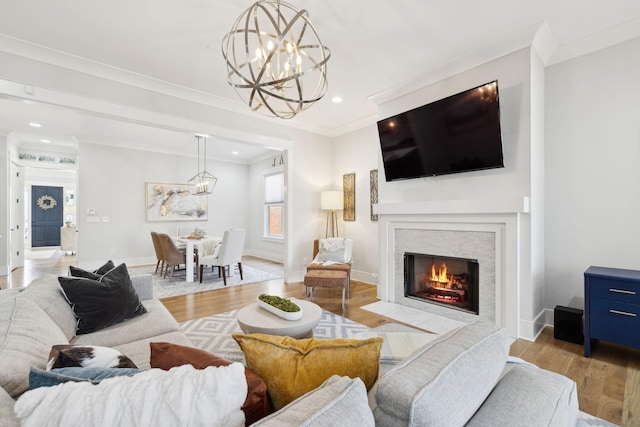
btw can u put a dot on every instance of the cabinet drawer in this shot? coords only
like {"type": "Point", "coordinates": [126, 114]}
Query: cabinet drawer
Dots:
{"type": "Point", "coordinates": [615, 290]}
{"type": "Point", "coordinates": [616, 322]}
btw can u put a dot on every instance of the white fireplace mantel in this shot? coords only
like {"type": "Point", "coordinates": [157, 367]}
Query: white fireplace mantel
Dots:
{"type": "Point", "coordinates": [502, 205]}
{"type": "Point", "coordinates": [501, 216]}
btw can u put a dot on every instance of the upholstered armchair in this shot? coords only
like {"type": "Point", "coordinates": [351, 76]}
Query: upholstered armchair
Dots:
{"type": "Point", "coordinates": [172, 255]}
{"type": "Point", "coordinates": [157, 246]}
{"type": "Point", "coordinates": [228, 253]}
{"type": "Point", "coordinates": [333, 254]}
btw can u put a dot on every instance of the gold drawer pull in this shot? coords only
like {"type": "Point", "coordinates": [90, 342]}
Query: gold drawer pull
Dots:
{"type": "Point", "coordinates": [622, 291]}
{"type": "Point", "coordinates": [624, 313]}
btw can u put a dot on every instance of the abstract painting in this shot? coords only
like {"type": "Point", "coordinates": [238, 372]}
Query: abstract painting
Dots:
{"type": "Point", "coordinates": [174, 202]}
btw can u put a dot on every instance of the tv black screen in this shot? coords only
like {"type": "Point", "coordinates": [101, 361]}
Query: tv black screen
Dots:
{"type": "Point", "coordinates": [459, 133]}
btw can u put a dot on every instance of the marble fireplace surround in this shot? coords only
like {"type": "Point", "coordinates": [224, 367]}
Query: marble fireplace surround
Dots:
{"type": "Point", "coordinates": [487, 230]}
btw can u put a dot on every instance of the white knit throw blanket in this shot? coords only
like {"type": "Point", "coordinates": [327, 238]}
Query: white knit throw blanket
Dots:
{"type": "Point", "coordinates": [182, 396]}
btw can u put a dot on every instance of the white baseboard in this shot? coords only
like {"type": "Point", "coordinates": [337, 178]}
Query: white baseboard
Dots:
{"type": "Point", "coordinates": [296, 276]}
{"type": "Point", "coordinates": [131, 262]}
{"type": "Point", "coordinates": [361, 276]}
{"type": "Point", "coordinates": [530, 330]}
{"type": "Point", "coordinates": [269, 256]}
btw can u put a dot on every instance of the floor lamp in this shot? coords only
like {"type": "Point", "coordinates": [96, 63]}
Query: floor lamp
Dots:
{"type": "Point", "coordinates": [331, 201]}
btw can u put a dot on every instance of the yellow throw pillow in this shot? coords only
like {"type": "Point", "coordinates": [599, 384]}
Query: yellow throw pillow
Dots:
{"type": "Point", "coordinates": [292, 367]}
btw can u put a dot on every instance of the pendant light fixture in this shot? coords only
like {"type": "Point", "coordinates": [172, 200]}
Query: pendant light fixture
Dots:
{"type": "Point", "coordinates": [275, 59]}
{"type": "Point", "coordinates": [203, 181]}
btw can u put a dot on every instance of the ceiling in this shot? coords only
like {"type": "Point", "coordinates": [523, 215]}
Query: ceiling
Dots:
{"type": "Point", "coordinates": [62, 129]}
{"type": "Point", "coordinates": [378, 47]}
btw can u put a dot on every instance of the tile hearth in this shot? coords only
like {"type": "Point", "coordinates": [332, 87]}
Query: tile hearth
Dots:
{"type": "Point", "coordinates": [414, 317]}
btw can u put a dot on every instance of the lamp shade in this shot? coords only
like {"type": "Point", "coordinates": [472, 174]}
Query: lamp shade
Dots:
{"type": "Point", "coordinates": [331, 200]}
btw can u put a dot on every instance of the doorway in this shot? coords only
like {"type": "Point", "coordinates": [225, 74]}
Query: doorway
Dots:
{"type": "Point", "coordinates": [46, 215]}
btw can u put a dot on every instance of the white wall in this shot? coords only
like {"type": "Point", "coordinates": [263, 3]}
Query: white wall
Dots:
{"type": "Point", "coordinates": [309, 171]}
{"type": "Point", "coordinates": [534, 307]}
{"type": "Point", "coordinates": [4, 213]}
{"type": "Point", "coordinates": [358, 152]}
{"type": "Point", "coordinates": [592, 173]}
{"type": "Point", "coordinates": [513, 74]}
{"type": "Point", "coordinates": [112, 181]}
{"type": "Point", "coordinates": [260, 246]}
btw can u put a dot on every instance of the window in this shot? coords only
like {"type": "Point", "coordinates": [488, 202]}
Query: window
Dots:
{"type": "Point", "coordinates": [274, 205]}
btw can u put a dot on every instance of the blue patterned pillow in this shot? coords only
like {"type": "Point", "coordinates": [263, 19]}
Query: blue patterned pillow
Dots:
{"type": "Point", "coordinates": [41, 378]}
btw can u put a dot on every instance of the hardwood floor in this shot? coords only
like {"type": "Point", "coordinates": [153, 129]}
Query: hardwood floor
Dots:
{"type": "Point", "coordinates": [608, 382]}
{"type": "Point", "coordinates": [57, 263]}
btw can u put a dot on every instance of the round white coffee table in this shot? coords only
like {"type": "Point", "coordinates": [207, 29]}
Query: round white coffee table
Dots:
{"type": "Point", "coordinates": [253, 319]}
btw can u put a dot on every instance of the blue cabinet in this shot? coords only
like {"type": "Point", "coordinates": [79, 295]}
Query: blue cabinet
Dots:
{"type": "Point", "coordinates": [611, 307]}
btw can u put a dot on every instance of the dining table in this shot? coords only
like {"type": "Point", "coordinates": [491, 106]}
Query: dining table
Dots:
{"type": "Point", "coordinates": [191, 245]}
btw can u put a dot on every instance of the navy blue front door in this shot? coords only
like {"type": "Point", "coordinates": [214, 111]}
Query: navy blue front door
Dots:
{"type": "Point", "coordinates": [46, 215]}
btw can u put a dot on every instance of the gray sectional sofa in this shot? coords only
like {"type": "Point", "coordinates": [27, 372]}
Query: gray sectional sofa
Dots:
{"type": "Point", "coordinates": [462, 378]}
{"type": "Point", "coordinates": [34, 319]}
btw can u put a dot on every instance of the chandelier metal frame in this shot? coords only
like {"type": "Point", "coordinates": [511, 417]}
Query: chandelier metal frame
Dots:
{"type": "Point", "coordinates": [275, 59]}
{"type": "Point", "coordinates": [204, 182]}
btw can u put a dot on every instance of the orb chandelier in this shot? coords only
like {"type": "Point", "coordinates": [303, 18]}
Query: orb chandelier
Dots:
{"type": "Point", "coordinates": [275, 59]}
{"type": "Point", "coordinates": [203, 181]}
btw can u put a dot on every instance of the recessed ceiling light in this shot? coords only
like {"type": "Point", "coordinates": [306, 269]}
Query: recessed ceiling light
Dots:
{"type": "Point", "coordinates": [46, 141]}
{"type": "Point", "coordinates": [235, 153]}
{"type": "Point", "coordinates": [336, 99]}
{"type": "Point", "coordinates": [35, 125]}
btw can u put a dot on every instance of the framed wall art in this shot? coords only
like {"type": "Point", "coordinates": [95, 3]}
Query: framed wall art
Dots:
{"type": "Point", "coordinates": [349, 190]}
{"type": "Point", "coordinates": [373, 190]}
{"type": "Point", "coordinates": [174, 202]}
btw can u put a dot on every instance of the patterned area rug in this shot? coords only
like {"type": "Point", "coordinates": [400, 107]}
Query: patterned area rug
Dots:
{"type": "Point", "coordinates": [170, 287]}
{"type": "Point", "coordinates": [213, 333]}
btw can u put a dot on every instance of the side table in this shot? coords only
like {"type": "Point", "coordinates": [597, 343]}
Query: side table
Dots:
{"type": "Point", "coordinates": [611, 307]}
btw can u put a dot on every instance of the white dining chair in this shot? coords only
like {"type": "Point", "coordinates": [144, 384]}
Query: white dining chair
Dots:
{"type": "Point", "coordinates": [228, 253]}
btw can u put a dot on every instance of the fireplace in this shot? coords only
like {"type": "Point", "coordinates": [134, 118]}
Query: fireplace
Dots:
{"type": "Point", "coordinates": [447, 281]}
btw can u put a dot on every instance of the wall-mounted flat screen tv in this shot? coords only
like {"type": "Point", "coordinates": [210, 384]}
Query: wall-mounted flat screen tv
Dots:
{"type": "Point", "coordinates": [460, 133]}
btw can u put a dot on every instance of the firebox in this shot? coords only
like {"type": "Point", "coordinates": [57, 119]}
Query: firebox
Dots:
{"type": "Point", "coordinates": [448, 281]}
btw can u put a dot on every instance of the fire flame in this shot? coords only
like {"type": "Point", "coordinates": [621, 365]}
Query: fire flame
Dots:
{"type": "Point", "coordinates": [441, 275]}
